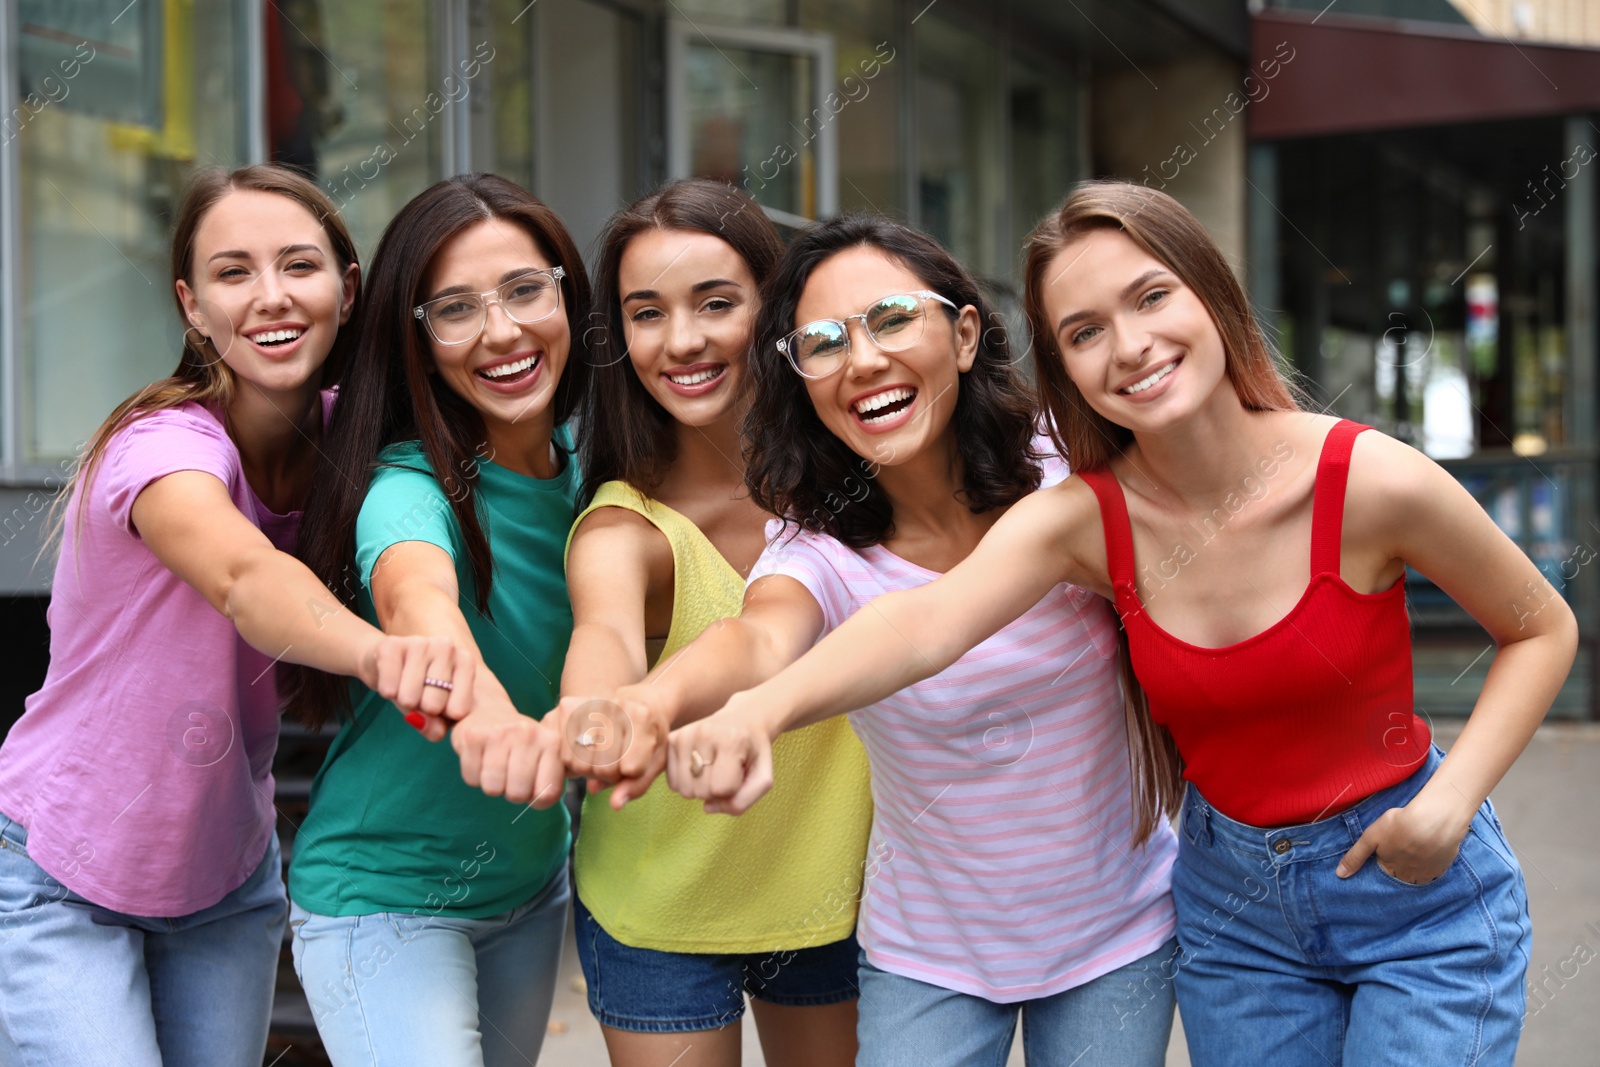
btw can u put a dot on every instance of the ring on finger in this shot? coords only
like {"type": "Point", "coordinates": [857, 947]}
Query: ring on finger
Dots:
{"type": "Point", "coordinates": [697, 763]}
{"type": "Point", "coordinates": [585, 739]}
{"type": "Point", "coordinates": [439, 683]}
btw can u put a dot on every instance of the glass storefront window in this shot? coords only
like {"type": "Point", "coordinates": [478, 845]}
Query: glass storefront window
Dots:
{"type": "Point", "coordinates": [121, 103]}
{"type": "Point", "coordinates": [870, 75]}
{"type": "Point", "coordinates": [357, 100]}
{"type": "Point", "coordinates": [961, 163]}
{"type": "Point", "coordinates": [586, 122]}
{"type": "Point", "coordinates": [752, 106]}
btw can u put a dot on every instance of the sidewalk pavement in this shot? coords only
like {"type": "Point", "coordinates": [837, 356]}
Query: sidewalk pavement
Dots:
{"type": "Point", "coordinates": [1550, 806]}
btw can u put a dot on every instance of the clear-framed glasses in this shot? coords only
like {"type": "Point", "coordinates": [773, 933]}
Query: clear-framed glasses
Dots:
{"type": "Point", "coordinates": [894, 323]}
{"type": "Point", "coordinates": [527, 298]}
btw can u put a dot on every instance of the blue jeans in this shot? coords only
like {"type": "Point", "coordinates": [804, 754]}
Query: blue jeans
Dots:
{"type": "Point", "coordinates": [1121, 1019]}
{"type": "Point", "coordinates": [1285, 963]}
{"type": "Point", "coordinates": [649, 991]}
{"type": "Point", "coordinates": [401, 987]}
{"type": "Point", "coordinates": [86, 985]}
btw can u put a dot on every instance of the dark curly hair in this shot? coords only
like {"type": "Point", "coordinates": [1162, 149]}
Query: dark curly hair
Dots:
{"type": "Point", "coordinates": [798, 469]}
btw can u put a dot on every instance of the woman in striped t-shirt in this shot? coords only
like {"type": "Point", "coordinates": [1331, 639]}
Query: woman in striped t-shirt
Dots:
{"type": "Point", "coordinates": [1006, 869]}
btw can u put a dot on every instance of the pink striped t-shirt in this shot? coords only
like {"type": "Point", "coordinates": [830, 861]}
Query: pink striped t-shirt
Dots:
{"type": "Point", "coordinates": [1002, 840]}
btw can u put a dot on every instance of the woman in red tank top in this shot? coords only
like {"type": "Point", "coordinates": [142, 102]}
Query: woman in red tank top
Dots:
{"type": "Point", "coordinates": [1344, 891]}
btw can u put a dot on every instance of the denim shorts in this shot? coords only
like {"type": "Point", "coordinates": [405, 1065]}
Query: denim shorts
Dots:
{"type": "Point", "coordinates": [1282, 962]}
{"type": "Point", "coordinates": [647, 991]}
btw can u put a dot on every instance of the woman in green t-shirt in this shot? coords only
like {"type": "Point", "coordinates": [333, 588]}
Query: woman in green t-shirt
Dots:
{"type": "Point", "coordinates": [681, 914]}
{"type": "Point", "coordinates": [427, 915]}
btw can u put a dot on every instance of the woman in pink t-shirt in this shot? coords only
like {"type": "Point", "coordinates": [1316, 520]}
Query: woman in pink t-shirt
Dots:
{"type": "Point", "coordinates": [1006, 870]}
{"type": "Point", "coordinates": [141, 898]}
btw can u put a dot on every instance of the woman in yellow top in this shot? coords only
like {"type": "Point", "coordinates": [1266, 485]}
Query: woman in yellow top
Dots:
{"type": "Point", "coordinates": [679, 913]}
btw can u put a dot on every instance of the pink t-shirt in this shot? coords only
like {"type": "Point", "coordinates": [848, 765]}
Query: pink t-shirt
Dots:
{"type": "Point", "coordinates": [1001, 862]}
{"type": "Point", "coordinates": [143, 769]}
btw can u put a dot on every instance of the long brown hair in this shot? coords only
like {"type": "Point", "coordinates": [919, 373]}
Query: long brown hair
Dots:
{"type": "Point", "coordinates": [630, 436]}
{"type": "Point", "coordinates": [202, 375]}
{"type": "Point", "coordinates": [1167, 231]}
{"type": "Point", "coordinates": [392, 396]}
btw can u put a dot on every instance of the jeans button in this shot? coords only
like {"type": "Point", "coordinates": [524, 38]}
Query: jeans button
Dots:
{"type": "Point", "coordinates": [1282, 845]}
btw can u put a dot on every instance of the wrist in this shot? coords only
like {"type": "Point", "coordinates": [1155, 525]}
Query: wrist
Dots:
{"type": "Point", "coordinates": [1445, 806]}
{"type": "Point", "coordinates": [766, 711]}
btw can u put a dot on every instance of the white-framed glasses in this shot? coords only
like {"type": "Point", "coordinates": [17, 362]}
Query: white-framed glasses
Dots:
{"type": "Point", "coordinates": [894, 323]}
{"type": "Point", "coordinates": [528, 298]}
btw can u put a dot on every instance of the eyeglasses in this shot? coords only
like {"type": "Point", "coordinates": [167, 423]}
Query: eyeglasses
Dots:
{"type": "Point", "coordinates": [894, 323]}
{"type": "Point", "coordinates": [460, 317]}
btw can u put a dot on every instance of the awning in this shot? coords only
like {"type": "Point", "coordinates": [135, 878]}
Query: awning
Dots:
{"type": "Point", "coordinates": [1350, 75]}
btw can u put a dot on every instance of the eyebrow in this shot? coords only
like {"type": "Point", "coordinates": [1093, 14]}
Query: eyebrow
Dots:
{"type": "Point", "coordinates": [1128, 290]}
{"type": "Point", "coordinates": [235, 253]}
{"type": "Point", "coordinates": [514, 272]}
{"type": "Point", "coordinates": [696, 288]}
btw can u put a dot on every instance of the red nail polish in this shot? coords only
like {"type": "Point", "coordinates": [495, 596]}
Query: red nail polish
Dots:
{"type": "Point", "coordinates": [417, 719]}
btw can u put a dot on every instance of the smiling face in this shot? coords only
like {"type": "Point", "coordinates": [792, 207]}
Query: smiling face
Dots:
{"type": "Point", "coordinates": [1138, 343]}
{"type": "Point", "coordinates": [267, 289]}
{"type": "Point", "coordinates": [510, 371]}
{"type": "Point", "coordinates": [688, 306]}
{"type": "Point", "coordinates": [886, 406]}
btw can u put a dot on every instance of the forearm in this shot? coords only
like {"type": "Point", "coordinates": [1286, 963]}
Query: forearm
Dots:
{"type": "Point", "coordinates": [889, 644]}
{"type": "Point", "coordinates": [282, 610]}
{"type": "Point", "coordinates": [730, 656]}
{"type": "Point", "coordinates": [600, 661]}
{"type": "Point", "coordinates": [1521, 685]}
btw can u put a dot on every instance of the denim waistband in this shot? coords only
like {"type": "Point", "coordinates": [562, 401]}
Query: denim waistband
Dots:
{"type": "Point", "coordinates": [1203, 824]}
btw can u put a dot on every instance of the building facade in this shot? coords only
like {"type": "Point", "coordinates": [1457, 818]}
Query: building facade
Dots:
{"type": "Point", "coordinates": [967, 119]}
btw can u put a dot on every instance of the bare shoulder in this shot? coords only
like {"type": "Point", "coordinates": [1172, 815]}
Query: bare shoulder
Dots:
{"type": "Point", "coordinates": [616, 541]}
{"type": "Point", "coordinates": [1062, 523]}
{"type": "Point", "coordinates": [1394, 489]}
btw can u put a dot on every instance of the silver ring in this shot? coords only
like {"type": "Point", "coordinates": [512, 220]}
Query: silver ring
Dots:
{"type": "Point", "coordinates": [448, 687]}
{"type": "Point", "coordinates": [585, 739]}
{"type": "Point", "coordinates": [697, 763]}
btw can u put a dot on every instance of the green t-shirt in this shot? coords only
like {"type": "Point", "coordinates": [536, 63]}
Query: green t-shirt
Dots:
{"type": "Point", "coordinates": [392, 826]}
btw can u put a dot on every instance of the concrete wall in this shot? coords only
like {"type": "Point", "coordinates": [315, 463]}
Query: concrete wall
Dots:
{"type": "Point", "coordinates": [1180, 128]}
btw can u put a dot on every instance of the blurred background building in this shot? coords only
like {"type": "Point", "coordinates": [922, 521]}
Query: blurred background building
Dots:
{"type": "Point", "coordinates": [1406, 185]}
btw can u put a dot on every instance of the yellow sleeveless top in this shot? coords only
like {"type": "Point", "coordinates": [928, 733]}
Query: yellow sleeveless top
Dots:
{"type": "Point", "coordinates": [662, 874]}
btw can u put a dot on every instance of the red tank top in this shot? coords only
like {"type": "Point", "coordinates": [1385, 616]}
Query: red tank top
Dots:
{"type": "Point", "coordinates": [1307, 717]}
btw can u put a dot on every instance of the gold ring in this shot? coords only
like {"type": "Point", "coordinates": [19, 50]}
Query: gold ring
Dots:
{"type": "Point", "coordinates": [697, 763]}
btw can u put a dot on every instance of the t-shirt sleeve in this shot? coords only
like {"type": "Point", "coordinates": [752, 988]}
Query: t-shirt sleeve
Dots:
{"type": "Point", "coordinates": [154, 446]}
{"type": "Point", "coordinates": [403, 504]}
{"type": "Point", "coordinates": [1052, 466]}
{"type": "Point", "coordinates": [807, 559]}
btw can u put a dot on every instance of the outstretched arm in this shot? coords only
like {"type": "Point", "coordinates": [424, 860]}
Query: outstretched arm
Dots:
{"type": "Point", "coordinates": [779, 621]}
{"type": "Point", "coordinates": [502, 751]}
{"type": "Point", "coordinates": [1434, 525]}
{"type": "Point", "coordinates": [278, 606]}
{"type": "Point", "coordinates": [894, 641]}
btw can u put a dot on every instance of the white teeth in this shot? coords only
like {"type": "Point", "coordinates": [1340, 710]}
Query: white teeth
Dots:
{"type": "Point", "coordinates": [1144, 383]}
{"type": "Point", "coordinates": [696, 378]}
{"type": "Point", "coordinates": [883, 399]}
{"type": "Point", "coordinates": [275, 336]}
{"type": "Point", "coordinates": [506, 370]}
{"type": "Point", "coordinates": [864, 408]}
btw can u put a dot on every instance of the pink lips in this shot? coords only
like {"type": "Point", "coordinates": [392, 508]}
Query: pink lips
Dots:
{"type": "Point", "coordinates": [516, 383]}
{"type": "Point", "coordinates": [1155, 390]}
{"type": "Point", "coordinates": [698, 388]}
